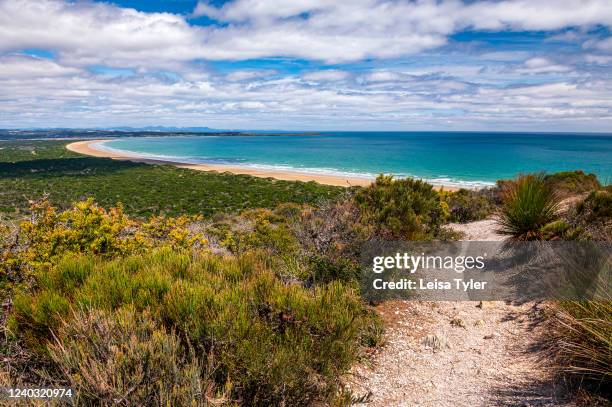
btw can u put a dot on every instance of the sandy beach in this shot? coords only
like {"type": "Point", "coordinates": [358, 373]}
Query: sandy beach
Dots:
{"type": "Point", "coordinates": [87, 147]}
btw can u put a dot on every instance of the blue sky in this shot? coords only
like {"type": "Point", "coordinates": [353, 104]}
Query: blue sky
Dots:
{"type": "Point", "coordinates": [533, 65]}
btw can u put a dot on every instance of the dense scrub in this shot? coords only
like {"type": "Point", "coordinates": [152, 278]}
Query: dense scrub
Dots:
{"type": "Point", "coordinates": [322, 244]}
{"type": "Point", "coordinates": [255, 308]}
{"type": "Point", "coordinates": [48, 235]}
{"type": "Point", "coordinates": [108, 304]}
{"type": "Point", "coordinates": [28, 170]}
{"type": "Point", "coordinates": [263, 341]}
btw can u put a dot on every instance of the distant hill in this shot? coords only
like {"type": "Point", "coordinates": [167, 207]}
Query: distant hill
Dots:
{"type": "Point", "coordinates": [164, 129]}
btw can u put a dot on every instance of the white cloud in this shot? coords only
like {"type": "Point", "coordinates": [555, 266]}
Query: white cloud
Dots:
{"type": "Point", "coordinates": [598, 59]}
{"type": "Point", "coordinates": [326, 75]}
{"type": "Point", "coordinates": [539, 65]}
{"type": "Point", "coordinates": [536, 14]}
{"type": "Point", "coordinates": [291, 103]}
{"type": "Point", "coordinates": [488, 88]}
{"type": "Point", "coordinates": [237, 76]}
{"type": "Point", "coordinates": [93, 33]}
{"type": "Point", "coordinates": [382, 76]}
{"type": "Point", "coordinates": [85, 33]}
{"type": "Point", "coordinates": [336, 31]}
{"type": "Point", "coordinates": [22, 66]}
{"type": "Point", "coordinates": [605, 45]}
{"type": "Point", "coordinates": [255, 9]}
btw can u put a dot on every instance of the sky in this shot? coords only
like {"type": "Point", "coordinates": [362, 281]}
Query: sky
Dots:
{"type": "Point", "coordinates": [507, 65]}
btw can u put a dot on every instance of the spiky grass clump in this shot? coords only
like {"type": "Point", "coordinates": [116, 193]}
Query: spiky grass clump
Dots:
{"type": "Point", "coordinates": [529, 204]}
{"type": "Point", "coordinates": [583, 343]}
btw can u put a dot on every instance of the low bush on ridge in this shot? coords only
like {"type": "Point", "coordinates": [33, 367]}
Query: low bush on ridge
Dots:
{"type": "Point", "coordinates": [567, 183]}
{"type": "Point", "coordinates": [593, 215]}
{"type": "Point", "coordinates": [127, 358]}
{"type": "Point", "coordinates": [87, 228]}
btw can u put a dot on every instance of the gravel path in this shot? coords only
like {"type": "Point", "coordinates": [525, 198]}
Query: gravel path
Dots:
{"type": "Point", "coordinates": [461, 353]}
{"type": "Point", "coordinates": [482, 230]}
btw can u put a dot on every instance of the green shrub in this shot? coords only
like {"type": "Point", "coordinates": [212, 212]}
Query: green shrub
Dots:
{"type": "Point", "coordinates": [596, 207]}
{"type": "Point", "coordinates": [468, 205]}
{"type": "Point", "coordinates": [49, 235]}
{"type": "Point", "coordinates": [560, 230]}
{"type": "Point", "coordinates": [331, 238]}
{"type": "Point", "coordinates": [260, 229]}
{"type": "Point", "coordinates": [126, 358]}
{"type": "Point", "coordinates": [529, 204]}
{"type": "Point", "coordinates": [324, 269]}
{"type": "Point", "coordinates": [271, 342]}
{"type": "Point", "coordinates": [145, 189]}
{"type": "Point", "coordinates": [593, 216]}
{"type": "Point", "coordinates": [401, 209]}
{"type": "Point", "coordinates": [89, 228]}
{"type": "Point", "coordinates": [567, 183]}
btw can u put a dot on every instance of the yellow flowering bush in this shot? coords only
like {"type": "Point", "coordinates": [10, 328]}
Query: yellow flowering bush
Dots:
{"type": "Point", "coordinates": [87, 228]}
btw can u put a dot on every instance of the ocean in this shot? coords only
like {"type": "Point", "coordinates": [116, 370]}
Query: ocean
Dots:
{"type": "Point", "coordinates": [443, 158]}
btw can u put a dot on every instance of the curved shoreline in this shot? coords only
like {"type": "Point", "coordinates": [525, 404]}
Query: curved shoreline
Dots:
{"type": "Point", "coordinates": [86, 147]}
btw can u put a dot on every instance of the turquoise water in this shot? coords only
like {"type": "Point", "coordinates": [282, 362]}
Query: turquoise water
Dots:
{"type": "Point", "coordinates": [464, 159]}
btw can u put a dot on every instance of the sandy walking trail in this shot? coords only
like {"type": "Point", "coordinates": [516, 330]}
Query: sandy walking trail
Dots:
{"type": "Point", "coordinates": [458, 353]}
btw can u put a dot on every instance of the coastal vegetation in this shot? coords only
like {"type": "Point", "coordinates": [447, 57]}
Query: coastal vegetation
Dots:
{"type": "Point", "coordinates": [467, 205]}
{"type": "Point", "coordinates": [580, 331]}
{"type": "Point", "coordinates": [533, 209]}
{"type": "Point", "coordinates": [140, 284]}
{"type": "Point", "coordinates": [259, 307]}
{"type": "Point", "coordinates": [31, 169]}
{"type": "Point", "coordinates": [402, 209]}
{"type": "Point", "coordinates": [528, 206]}
{"type": "Point", "coordinates": [105, 304]}
{"type": "Point", "coordinates": [568, 183]}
